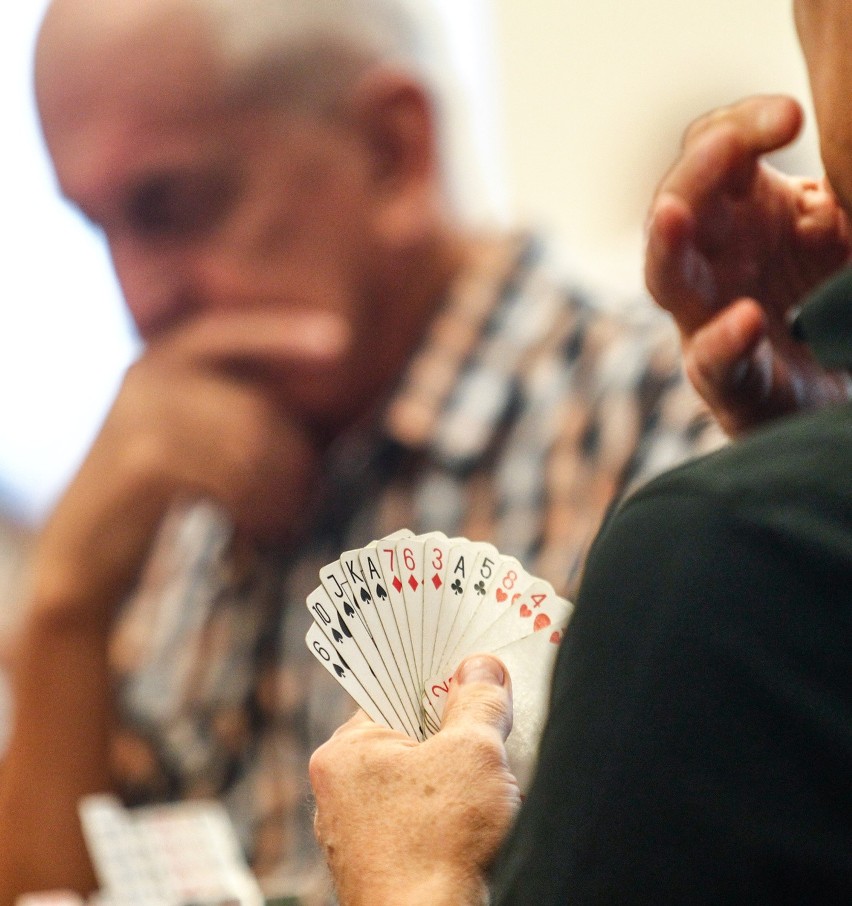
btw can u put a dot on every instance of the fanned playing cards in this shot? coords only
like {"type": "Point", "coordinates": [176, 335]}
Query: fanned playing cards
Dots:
{"type": "Point", "coordinates": [394, 619]}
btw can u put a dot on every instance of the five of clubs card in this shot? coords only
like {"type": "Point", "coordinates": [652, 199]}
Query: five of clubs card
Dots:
{"type": "Point", "coordinates": [394, 619]}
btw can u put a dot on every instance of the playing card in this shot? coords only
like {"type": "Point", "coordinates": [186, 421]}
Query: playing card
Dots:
{"type": "Point", "coordinates": [536, 608]}
{"type": "Point", "coordinates": [510, 581]}
{"type": "Point", "coordinates": [334, 578]}
{"type": "Point", "coordinates": [530, 662]}
{"type": "Point", "coordinates": [388, 625]}
{"type": "Point", "coordinates": [391, 567]}
{"type": "Point", "coordinates": [482, 574]}
{"type": "Point", "coordinates": [345, 580]}
{"type": "Point", "coordinates": [171, 853]}
{"type": "Point", "coordinates": [460, 570]}
{"type": "Point", "coordinates": [411, 556]}
{"type": "Point", "coordinates": [324, 652]}
{"type": "Point", "coordinates": [356, 650]}
{"type": "Point", "coordinates": [435, 557]}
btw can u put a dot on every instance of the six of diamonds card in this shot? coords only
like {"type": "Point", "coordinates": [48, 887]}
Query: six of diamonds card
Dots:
{"type": "Point", "coordinates": [394, 619]}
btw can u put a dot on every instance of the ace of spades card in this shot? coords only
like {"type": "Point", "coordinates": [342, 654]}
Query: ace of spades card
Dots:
{"type": "Point", "coordinates": [393, 620]}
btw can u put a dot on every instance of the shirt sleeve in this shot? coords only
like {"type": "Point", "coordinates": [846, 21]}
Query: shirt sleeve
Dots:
{"type": "Point", "coordinates": [187, 658]}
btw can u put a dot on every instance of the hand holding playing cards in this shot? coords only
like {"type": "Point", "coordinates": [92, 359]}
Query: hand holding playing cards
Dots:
{"type": "Point", "coordinates": [393, 620]}
{"type": "Point", "coordinates": [419, 823]}
{"type": "Point", "coordinates": [733, 246]}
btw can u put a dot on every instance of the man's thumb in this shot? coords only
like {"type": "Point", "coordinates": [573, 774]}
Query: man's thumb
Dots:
{"type": "Point", "coordinates": [481, 693]}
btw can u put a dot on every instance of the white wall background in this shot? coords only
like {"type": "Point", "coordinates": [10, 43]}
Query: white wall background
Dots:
{"type": "Point", "coordinates": [63, 337]}
{"type": "Point", "coordinates": [575, 108]}
{"type": "Point", "coordinates": [596, 94]}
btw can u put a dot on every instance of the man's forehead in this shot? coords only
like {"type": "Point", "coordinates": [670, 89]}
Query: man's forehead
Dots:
{"type": "Point", "coordinates": [101, 153]}
{"type": "Point", "coordinates": [135, 65]}
{"type": "Point", "coordinates": [127, 36]}
{"type": "Point", "coordinates": [100, 18]}
{"type": "Point", "coordinates": [125, 100]}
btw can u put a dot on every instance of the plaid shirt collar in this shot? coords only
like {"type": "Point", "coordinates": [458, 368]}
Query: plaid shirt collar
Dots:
{"type": "Point", "coordinates": [469, 354]}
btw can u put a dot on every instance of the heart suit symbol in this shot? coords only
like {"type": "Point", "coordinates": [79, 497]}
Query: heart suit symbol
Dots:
{"type": "Point", "coordinates": [542, 621]}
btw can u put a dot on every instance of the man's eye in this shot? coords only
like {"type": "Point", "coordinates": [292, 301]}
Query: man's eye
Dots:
{"type": "Point", "coordinates": [169, 205]}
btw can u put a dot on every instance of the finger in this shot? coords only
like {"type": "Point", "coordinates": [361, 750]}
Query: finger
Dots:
{"type": "Point", "coordinates": [358, 720]}
{"type": "Point", "coordinates": [361, 725]}
{"type": "Point", "coordinates": [730, 362]}
{"type": "Point", "coordinates": [326, 754]}
{"type": "Point", "coordinates": [690, 219]}
{"type": "Point", "coordinates": [721, 151]}
{"type": "Point", "coordinates": [824, 229]}
{"type": "Point", "coordinates": [678, 276]}
{"type": "Point", "coordinates": [249, 336]}
{"type": "Point", "coordinates": [765, 122]}
{"type": "Point", "coordinates": [480, 696]}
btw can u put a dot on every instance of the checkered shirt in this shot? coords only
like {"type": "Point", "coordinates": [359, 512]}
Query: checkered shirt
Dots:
{"type": "Point", "coordinates": [527, 411]}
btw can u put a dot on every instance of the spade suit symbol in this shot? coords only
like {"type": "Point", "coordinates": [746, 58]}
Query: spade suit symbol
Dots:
{"type": "Point", "coordinates": [380, 591]}
{"type": "Point", "coordinates": [348, 609]}
{"type": "Point", "coordinates": [343, 627]}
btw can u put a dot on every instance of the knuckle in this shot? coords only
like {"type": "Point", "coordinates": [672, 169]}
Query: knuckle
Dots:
{"type": "Point", "coordinates": [713, 119]}
{"type": "Point", "coordinates": [319, 762]}
{"type": "Point", "coordinates": [483, 748]}
{"type": "Point", "coordinates": [146, 457]}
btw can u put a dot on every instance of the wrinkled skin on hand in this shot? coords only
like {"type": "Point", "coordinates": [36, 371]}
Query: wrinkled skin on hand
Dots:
{"type": "Point", "coordinates": [419, 823]}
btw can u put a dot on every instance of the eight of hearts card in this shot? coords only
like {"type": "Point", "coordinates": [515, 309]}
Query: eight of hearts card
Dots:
{"type": "Point", "coordinates": [393, 620]}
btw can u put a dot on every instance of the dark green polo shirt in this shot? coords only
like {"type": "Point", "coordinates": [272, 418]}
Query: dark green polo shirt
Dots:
{"type": "Point", "coordinates": [699, 748]}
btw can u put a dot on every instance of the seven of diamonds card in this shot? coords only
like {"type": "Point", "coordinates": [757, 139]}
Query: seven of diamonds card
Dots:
{"type": "Point", "coordinates": [394, 619]}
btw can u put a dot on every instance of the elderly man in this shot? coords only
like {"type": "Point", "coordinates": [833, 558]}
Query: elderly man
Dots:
{"type": "Point", "coordinates": [329, 355]}
{"type": "Point", "coordinates": [700, 730]}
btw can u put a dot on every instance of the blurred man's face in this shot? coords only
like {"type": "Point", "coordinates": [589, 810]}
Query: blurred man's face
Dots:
{"type": "Point", "coordinates": [210, 208]}
{"type": "Point", "coordinates": [825, 33]}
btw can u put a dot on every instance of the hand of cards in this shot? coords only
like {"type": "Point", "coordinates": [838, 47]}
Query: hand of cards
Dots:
{"type": "Point", "coordinates": [394, 619]}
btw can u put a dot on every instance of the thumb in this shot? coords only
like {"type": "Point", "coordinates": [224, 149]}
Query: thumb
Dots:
{"type": "Point", "coordinates": [480, 694]}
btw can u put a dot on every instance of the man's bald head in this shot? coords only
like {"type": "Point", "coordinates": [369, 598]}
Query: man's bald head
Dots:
{"type": "Point", "coordinates": [303, 52]}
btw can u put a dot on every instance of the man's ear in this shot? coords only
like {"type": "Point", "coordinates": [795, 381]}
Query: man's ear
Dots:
{"type": "Point", "coordinates": [395, 118]}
